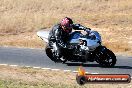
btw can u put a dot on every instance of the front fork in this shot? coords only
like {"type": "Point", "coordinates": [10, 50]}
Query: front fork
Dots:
{"type": "Point", "coordinates": [55, 50]}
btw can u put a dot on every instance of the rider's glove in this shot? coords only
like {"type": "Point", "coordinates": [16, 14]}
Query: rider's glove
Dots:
{"type": "Point", "coordinates": [88, 30]}
{"type": "Point", "coordinates": [79, 26]}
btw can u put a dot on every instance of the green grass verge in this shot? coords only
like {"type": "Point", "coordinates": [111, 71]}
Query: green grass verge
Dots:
{"type": "Point", "coordinates": [20, 84]}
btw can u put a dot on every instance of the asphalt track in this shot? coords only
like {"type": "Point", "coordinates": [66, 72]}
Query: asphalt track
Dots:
{"type": "Point", "coordinates": [38, 58]}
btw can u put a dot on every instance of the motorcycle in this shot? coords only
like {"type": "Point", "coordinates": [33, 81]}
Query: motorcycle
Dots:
{"type": "Point", "coordinates": [81, 48]}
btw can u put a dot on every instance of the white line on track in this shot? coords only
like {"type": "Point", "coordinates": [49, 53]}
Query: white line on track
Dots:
{"type": "Point", "coordinates": [4, 64]}
{"type": "Point", "coordinates": [55, 69]}
{"type": "Point", "coordinates": [87, 72]}
{"type": "Point", "coordinates": [67, 70]}
{"type": "Point", "coordinates": [37, 67]}
{"type": "Point", "coordinates": [13, 65]}
{"type": "Point", "coordinates": [94, 73]}
{"type": "Point", "coordinates": [46, 68]}
{"type": "Point", "coordinates": [27, 66]}
{"type": "Point", "coordinates": [75, 71]}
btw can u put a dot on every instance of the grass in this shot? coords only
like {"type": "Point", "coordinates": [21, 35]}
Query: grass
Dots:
{"type": "Point", "coordinates": [22, 40]}
{"type": "Point", "coordinates": [23, 77]}
{"type": "Point", "coordinates": [19, 84]}
{"type": "Point", "coordinates": [20, 20]}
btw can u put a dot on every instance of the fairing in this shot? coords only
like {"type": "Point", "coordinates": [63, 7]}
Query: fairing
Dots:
{"type": "Point", "coordinates": [43, 35]}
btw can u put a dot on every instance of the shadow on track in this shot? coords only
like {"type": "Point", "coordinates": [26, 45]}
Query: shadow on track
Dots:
{"type": "Point", "coordinates": [97, 65]}
{"type": "Point", "coordinates": [84, 65]}
{"type": "Point", "coordinates": [123, 67]}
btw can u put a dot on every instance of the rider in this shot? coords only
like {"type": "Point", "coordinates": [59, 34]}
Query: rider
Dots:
{"type": "Point", "coordinates": [60, 33]}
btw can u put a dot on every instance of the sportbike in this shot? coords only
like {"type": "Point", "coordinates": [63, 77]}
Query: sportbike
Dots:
{"type": "Point", "coordinates": [81, 48]}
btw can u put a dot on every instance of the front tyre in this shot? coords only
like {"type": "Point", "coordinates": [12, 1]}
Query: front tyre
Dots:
{"type": "Point", "coordinates": [49, 53]}
{"type": "Point", "coordinates": [53, 56]}
{"type": "Point", "coordinates": [108, 59]}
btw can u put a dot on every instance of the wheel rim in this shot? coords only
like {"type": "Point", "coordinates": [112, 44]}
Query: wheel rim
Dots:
{"type": "Point", "coordinates": [109, 60]}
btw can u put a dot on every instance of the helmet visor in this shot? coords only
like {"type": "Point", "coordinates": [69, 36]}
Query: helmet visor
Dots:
{"type": "Point", "coordinates": [67, 29]}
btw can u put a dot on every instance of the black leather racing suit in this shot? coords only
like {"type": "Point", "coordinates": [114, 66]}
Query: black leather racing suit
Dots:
{"type": "Point", "coordinates": [60, 37]}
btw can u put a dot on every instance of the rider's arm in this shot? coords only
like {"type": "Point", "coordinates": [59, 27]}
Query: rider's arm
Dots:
{"type": "Point", "coordinates": [80, 27]}
{"type": "Point", "coordinates": [59, 40]}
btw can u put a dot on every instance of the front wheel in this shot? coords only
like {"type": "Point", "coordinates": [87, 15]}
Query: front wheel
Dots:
{"type": "Point", "coordinates": [53, 56]}
{"type": "Point", "coordinates": [108, 59]}
{"type": "Point", "coordinates": [49, 53]}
